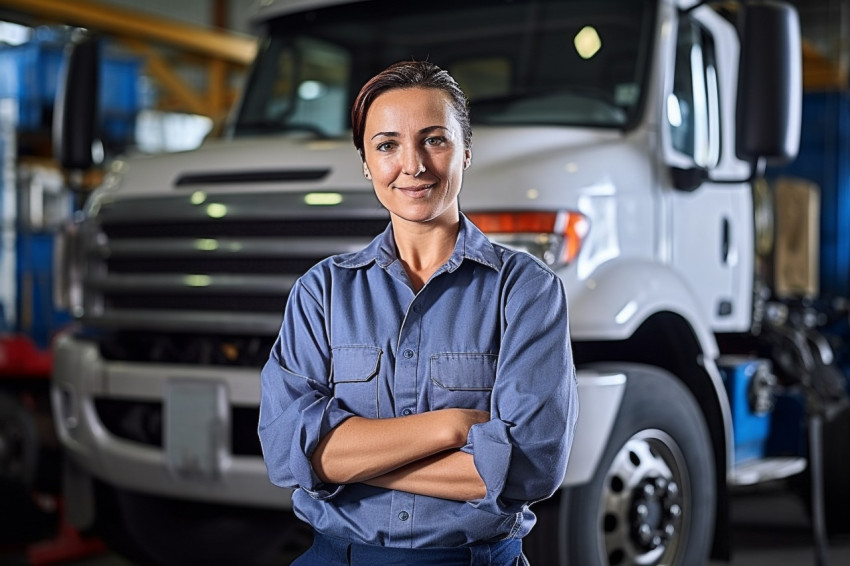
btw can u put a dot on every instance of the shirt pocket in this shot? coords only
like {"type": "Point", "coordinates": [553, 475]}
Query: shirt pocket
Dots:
{"type": "Point", "coordinates": [355, 369]}
{"type": "Point", "coordinates": [462, 380]}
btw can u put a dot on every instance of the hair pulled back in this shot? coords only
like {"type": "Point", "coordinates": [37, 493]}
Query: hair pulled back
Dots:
{"type": "Point", "coordinates": [409, 74]}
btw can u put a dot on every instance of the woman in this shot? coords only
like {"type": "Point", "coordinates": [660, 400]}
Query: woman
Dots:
{"type": "Point", "coordinates": [421, 393]}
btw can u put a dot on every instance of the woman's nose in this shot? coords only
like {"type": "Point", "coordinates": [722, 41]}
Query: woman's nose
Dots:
{"type": "Point", "coordinates": [413, 163]}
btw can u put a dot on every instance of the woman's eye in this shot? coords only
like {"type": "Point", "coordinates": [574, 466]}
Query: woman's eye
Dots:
{"type": "Point", "coordinates": [386, 146]}
{"type": "Point", "coordinates": [437, 140]}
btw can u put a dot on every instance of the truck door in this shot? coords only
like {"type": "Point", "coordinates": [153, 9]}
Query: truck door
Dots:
{"type": "Point", "coordinates": [710, 227]}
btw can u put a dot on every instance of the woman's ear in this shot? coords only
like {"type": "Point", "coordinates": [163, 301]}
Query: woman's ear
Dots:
{"type": "Point", "coordinates": [467, 158]}
{"type": "Point", "coordinates": [366, 171]}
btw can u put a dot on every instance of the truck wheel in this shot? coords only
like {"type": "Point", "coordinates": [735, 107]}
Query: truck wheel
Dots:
{"type": "Point", "coordinates": [652, 498]}
{"type": "Point", "coordinates": [18, 443]}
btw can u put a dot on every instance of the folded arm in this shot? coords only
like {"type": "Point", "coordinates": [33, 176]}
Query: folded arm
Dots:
{"type": "Point", "coordinates": [449, 475]}
{"type": "Point", "coordinates": [361, 449]}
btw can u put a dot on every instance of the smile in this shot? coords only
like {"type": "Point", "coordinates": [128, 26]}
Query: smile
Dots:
{"type": "Point", "coordinates": [416, 191]}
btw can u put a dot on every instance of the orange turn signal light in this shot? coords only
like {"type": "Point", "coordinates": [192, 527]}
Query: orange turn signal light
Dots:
{"type": "Point", "coordinates": [554, 236]}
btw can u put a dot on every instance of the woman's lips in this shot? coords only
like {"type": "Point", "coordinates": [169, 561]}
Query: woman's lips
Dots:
{"type": "Point", "coordinates": [418, 191]}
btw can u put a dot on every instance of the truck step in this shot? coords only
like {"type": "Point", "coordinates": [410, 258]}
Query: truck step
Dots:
{"type": "Point", "coordinates": [765, 469]}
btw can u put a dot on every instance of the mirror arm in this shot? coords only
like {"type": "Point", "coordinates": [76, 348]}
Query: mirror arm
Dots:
{"type": "Point", "coordinates": [694, 7]}
{"type": "Point", "coordinates": [688, 179]}
{"type": "Point", "coordinates": [757, 170]}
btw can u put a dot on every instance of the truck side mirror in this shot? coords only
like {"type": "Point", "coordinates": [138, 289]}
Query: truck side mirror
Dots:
{"type": "Point", "coordinates": [770, 84]}
{"type": "Point", "coordinates": [75, 110]}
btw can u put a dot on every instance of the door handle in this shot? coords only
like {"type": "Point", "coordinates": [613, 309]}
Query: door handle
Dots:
{"type": "Point", "coordinates": [725, 241]}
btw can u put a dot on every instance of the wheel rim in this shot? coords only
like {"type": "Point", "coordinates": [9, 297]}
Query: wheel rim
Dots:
{"type": "Point", "coordinates": [645, 508]}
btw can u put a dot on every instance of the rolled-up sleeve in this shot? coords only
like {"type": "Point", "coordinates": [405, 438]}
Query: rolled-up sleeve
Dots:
{"type": "Point", "coordinates": [297, 407]}
{"type": "Point", "coordinates": [521, 453]}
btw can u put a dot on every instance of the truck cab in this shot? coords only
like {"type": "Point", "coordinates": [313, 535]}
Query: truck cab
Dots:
{"type": "Point", "coordinates": [605, 142]}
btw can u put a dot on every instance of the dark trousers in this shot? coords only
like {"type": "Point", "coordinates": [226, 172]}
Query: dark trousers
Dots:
{"type": "Point", "coordinates": [332, 551]}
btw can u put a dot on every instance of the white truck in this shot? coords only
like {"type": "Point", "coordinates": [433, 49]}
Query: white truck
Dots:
{"type": "Point", "coordinates": [617, 140]}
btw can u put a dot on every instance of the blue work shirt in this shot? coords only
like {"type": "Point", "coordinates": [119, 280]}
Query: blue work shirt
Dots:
{"type": "Point", "coordinates": [488, 331]}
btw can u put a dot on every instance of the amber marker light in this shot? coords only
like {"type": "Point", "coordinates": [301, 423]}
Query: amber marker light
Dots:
{"type": "Point", "coordinates": [553, 236]}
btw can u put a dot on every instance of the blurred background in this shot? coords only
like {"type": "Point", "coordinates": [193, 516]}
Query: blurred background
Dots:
{"type": "Point", "coordinates": [171, 73]}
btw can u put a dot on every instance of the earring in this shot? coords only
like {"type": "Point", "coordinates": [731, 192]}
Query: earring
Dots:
{"type": "Point", "coordinates": [366, 172]}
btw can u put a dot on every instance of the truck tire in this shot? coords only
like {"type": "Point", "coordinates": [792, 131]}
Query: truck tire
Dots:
{"type": "Point", "coordinates": [22, 520]}
{"type": "Point", "coordinates": [19, 443]}
{"type": "Point", "coordinates": [652, 499]}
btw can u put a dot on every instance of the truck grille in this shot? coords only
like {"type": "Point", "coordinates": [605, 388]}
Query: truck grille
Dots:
{"type": "Point", "coordinates": [142, 422]}
{"type": "Point", "coordinates": [191, 288]}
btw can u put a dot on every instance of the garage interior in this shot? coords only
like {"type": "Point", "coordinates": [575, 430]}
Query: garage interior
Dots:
{"type": "Point", "coordinates": [178, 69]}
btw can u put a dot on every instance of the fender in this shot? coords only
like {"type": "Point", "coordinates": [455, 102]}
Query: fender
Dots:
{"type": "Point", "coordinates": [599, 397]}
{"type": "Point", "coordinates": [611, 305]}
{"type": "Point", "coordinates": [619, 295]}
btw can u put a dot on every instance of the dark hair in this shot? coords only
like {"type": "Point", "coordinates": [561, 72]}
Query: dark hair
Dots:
{"type": "Point", "coordinates": [409, 74]}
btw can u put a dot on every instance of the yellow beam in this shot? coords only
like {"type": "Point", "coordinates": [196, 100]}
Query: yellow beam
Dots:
{"type": "Point", "coordinates": [165, 75]}
{"type": "Point", "coordinates": [225, 46]}
{"type": "Point", "coordinates": [820, 73]}
{"type": "Point", "coordinates": [217, 89]}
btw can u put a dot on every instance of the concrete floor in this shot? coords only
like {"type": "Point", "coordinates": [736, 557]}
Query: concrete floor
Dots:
{"type": "Point", "coordinates": [770, 528]}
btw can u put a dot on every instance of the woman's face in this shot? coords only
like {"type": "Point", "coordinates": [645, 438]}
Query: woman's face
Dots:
{"type": "Point", "coordinates": [414, 154]}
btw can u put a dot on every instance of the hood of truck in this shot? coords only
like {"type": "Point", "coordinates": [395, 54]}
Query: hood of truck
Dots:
{"type": "Point", "coordinates": [245, 165]}
{"type": "Point", "coordinates": [525, 167]}
{"type": "Point", "coordinates": [550, 167]}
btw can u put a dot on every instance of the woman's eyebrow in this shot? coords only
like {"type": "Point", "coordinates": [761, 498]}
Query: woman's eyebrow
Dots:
{"type": "Point", "coordinates": [386, 135]}
{"type": "Point", "coordinates": [426, 130]}
{"type": "Point", "coordinates": [430, 129]}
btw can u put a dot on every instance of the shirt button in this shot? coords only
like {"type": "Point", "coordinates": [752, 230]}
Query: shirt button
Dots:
{"type": "Point", "coordinates": [404, 516]}
{"type": "Point", "coordinates": [408, 354]}
{"type": "Point", "coordinates": [407, 412]}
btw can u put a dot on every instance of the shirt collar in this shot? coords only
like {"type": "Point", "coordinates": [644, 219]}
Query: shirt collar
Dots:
{"type": "Point", "coordinates": [471, 244]}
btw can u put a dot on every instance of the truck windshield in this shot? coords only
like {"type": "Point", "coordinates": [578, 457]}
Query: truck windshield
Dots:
{"type": "Point", "coordinates": [521, 62]}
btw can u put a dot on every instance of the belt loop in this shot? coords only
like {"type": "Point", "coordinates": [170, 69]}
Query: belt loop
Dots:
{"type": "Point", "coordinates": [479, 555]}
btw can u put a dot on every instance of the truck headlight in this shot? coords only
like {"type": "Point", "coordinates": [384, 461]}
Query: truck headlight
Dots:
{"type": "Point", "coordinates": [73, 245]}
{"type": "Point", "coordinates": [552, 236]}
{"type": "Point", "coordinates": [68, 270]}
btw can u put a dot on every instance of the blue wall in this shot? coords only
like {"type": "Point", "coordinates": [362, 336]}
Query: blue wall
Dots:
{"type": "Point", "coordinates": [825, 159]}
